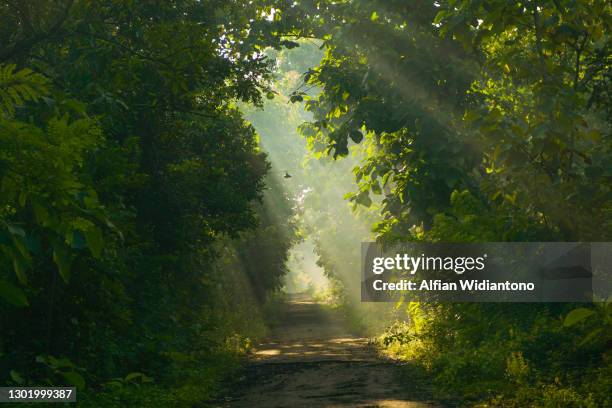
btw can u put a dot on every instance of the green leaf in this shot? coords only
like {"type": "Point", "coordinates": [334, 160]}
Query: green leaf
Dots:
{"type": "Point", "coordinates": [15, 230]}
{"type": "Point", "coordinates": [356, 136]}
{"type": "Point", "coordinates": [12, 294]}
{"type": "Point", "coordinates": [591, 336]}
{"type": "Point", "coordinates": [440, 16]}
{"type": "Point", "coordinates": [15, 376]}
{"type": "Point", "coordinates": [375, 186]}
{"type": "Point", "coordinates": [363, 198]}
{"type": "Point", "coordinates": [132, 376]}
{"type": "Point", "coordinates": [385, 177]}
{"type": "Point", "coordinates": [62, 363]}
{"type": "Point", "coordinates": [75, 379]}
{"type": "Point", "coordinates": [289, 44]}
{"type": "Point", "coordinates": [41, 214]}
{"type": "Point", "coordinates": [62, 259]}
{"type": "Point", "coordinates": [296, 98]}
{"type": "Point", "coordinates": [113, 384]}
{"type": "Point", "coordinates": [20, 268]}
{"type": "Point", "coordinates": [95, 241]}
{"type": "Point", "coordinates": [577, 315]}
{"type": "Point", "coordinates": [341, 149]}
{"type": "Point", "coordinates": [77, 106]}
{"type": "Point", "coordinates": [78, 240]}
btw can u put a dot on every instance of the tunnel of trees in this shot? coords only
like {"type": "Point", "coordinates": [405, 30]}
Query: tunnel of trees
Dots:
{"type": "Point", "coordinates": [146, 224]}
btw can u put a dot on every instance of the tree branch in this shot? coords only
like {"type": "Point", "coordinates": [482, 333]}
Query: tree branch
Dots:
{"type": "Point", "coordinates": [27, 44]}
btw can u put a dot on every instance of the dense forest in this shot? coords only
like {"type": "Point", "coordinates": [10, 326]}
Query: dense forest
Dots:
{"type": "Point", "coordinates": [160, 160]}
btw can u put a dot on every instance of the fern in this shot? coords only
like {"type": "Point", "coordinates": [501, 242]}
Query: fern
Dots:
{"type": "Point", "coordinates": [19, 87]}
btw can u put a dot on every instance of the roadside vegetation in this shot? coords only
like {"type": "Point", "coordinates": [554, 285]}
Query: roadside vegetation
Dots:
{"type": "Point", "coordinates": [160, 161]}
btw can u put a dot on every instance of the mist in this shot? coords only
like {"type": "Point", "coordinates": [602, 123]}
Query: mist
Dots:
{"type": "Point", "coordinates": [326, 262]}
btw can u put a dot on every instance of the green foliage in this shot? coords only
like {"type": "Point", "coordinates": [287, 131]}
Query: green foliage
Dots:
{"type": "Point", "coordinates": [131, 195]}
{"type": "Point", "coordinates": [57, 370]}
{"type": "Point", "coordinates": [47, 198]}
{"type": "Point", "coordinates": [577, 315]}
{"type": "Point", "coordinates": [483, 121]}
{"type": "Point", "coordinates": [13, 294]}
{"type": "Point", "coordinates": [17, 88]}
{"type": "Point", "coordinates": [132, 202]}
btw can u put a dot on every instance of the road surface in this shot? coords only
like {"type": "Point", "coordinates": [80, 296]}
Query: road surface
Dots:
{"type": "Point", "coordinates": [311, 360]}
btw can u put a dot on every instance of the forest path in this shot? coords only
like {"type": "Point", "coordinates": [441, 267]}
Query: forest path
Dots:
{"type": "Point", "coordinates": [311, 360]}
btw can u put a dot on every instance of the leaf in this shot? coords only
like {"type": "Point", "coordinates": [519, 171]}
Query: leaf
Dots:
{"type": "Point", "coordinates": [577, 315]}
{"type": "Point", "coordinates": [289, 44]}
{"type": "Point", "coordinates": [16, 230]}
{"type": "Point", "coordinates": [20, 269]}
{"type": "Point", "coordinates": [17, 87]}
{"type": "Point", "coordinates": [363, 198]}
{"type": "Point", "coordinates": [95, 241]}
{"type": "Point", "coordinates": [132, 376]}
{"type": "Point", "coordinates": [440, 16]}
{"type": "Point", "coordinates": [385, 178]}
{"type": "Point", "coordinates": [77, 106]}
{"type": "Point", "coordinates": [113, 384]}
{"type": "Point", "coordinates": [13, 295]}
{"type": "Point", "coordinates": [78, 240]}
{"type": "Point", "coordinates": [591, 336]}
{"type": "Point", "coordinates": [15, 376]}
{"type": "Point", "coordinates": [63, 363]}
{"type": "Point", "coordinates": [112, 226]}
{"type": "Point", "coordinates": [63, 262]}
{"type": "Point", "coordinates": [356, 136]}
{"type": "Point", "coordinates": [142, 378]}
{"type": "Point", "coordinates": [41, 214]}
{"type": "Point", "coordinates": [296, 98]}
{"type": "Point", "coordinates": [340, 150]}
{"type": "Point", "coordinates": [375, 186]}
{"type": "Point", "coordinates": [75, 379]}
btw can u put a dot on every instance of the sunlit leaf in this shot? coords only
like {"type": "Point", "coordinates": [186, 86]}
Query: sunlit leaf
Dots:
{"type": "Point", "coordinates": [74, 378]}
{"type": "Point", "coordinates": [577, 315]}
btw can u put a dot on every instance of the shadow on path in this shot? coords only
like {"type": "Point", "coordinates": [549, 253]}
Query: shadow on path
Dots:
{"type": "Point", "coordinates": [311, 360]}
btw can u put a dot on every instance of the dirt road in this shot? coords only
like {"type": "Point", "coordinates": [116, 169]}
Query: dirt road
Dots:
{"type": "Point", "coordinates": [312, 361]}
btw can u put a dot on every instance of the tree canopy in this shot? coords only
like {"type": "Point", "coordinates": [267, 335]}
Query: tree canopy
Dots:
{"type": "Point", "coordinates": [144, 231]}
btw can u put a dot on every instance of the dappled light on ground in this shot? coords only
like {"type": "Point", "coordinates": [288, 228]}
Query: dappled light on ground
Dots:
{"type": "Point", "coordinates": [311, 360]}
{"type": "Point", "coordinates": [333, 349]}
